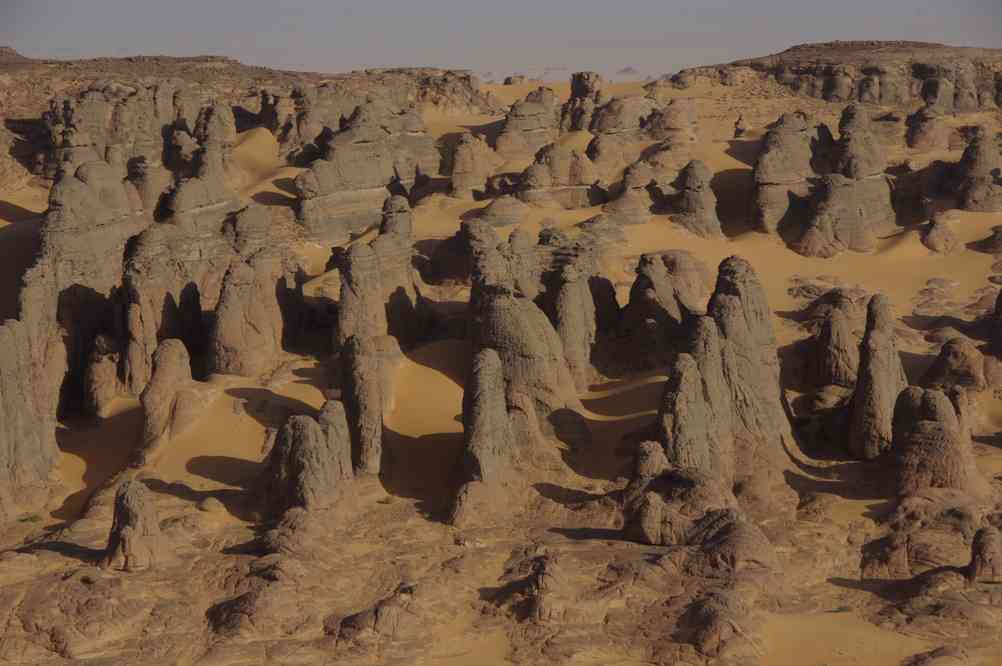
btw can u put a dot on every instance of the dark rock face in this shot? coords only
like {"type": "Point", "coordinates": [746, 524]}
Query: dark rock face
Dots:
{"type": "Point", "coordinates": [376, 147]}
{"type": "Point", "coordinates": [310, 461]}
{"type": "Point", "coordinates": [881, 378]}
{"type": "Point", "coordinates": [135, 542]}
{"type": "Point", "coordinates": [932, 443]}
{"type": "Point", "coordinates": [986, 555]}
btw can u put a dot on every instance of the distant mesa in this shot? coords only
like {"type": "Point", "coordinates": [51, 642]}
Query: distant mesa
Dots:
{"type": "Point", "coordinates": [7, 54]}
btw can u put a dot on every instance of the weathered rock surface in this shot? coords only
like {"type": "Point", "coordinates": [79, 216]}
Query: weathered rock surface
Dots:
{"type": "Point", "coordinates": [587, 95]}
{"type": "Point", "coordinates": [365, 392]}
{"type": "Point", "coordinates": [881, 378]}
{"type": "Point", "coordinates": [932, 443]}
{"type": "Point", "coordinates": [473, 162]}
{"type": "Point", "coordinates": [171, 402]}
{"type": "Point", "coordinates": [835, 354]}
{"type": "Point", "coordinates": [947, 77]}
{"type": "Point", "coordinates": [853, 205]}
{"type": "Point", "coordinates": [490, 451]}
{"type": "Point", "coordinates": [135, 542]}
{"type": "Point", "coordinates": [310, 461]}
{"type": "Point", "coordinates": [246, 336]}
{"type": "Point", "coordinates": [560, 175]}
{"type": "Point", "coordinates": [959, 365]}
{"type": "Point", "coordinates": [505, 211]}
{"type": "Point", "coordinates": [669, 287]}
{"type": "Point", "coordinates": [940, 237]}
{"type": "Point", "coordinates": [792, 155]}
{"type": "Point", "coordinates": [376, 147]}
{"type": "Point", "coordinates": [978, 176]}
{"type": "Point", "coordinates": [530, 124]}
{"type": "Point", "coordinates": [697, 203]}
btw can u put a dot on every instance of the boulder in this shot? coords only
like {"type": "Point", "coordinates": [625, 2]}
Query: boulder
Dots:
{"type": "Point", "coordinates": [310, 461]}
{"type": "Point", "coordinates": [932, 443]}
{"type": "Point", "coordinates": [473, 162]}
{"type": "Point", "coordinates": [135, 542]}
{"type": "Point", "coordinates": [697, 203]}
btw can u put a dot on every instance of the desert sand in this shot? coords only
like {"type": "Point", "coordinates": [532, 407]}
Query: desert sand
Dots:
{"type": "Point", "coordinates": [223, 453]}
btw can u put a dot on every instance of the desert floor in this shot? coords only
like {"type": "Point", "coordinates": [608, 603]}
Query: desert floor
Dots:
{"type": "Point", "coordinates": [223, 452]}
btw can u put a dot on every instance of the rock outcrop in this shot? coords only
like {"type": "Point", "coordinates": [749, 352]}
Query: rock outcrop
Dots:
{"type": "Point", "coordinates": [947, 77]}
{"type": "Point", "coordinates": [986, 555]}
{"type": "Point", "coordinates": [538, 380]}
{"type": "Point", "coordinates": [364, 392]}
{"type": "Point", "coordinates": [135, 542]}
{"type": "Point", "coordinates": [940, 237]}
{"type": "Point", "coordinates": [697, 204]}
{"type": "Point", "coordinates": [853, 204]}
{"type": "Point", "coordinates": [927, 130]}
{"type": "Point", "coordinates": [959, 365]}
{"type": "Point", "coordinates": [397, 217]}
{"type": "Point", "coordinates": [171, 402]}
{"type": "Point", "coordinates": [979, 180]}
{"type": "Point", "coordinates": [750, 364]}
{"type": "Point", "coordinates": [560, 175]}
{"type": "Point", "coordinates": [246, 335]}
{"type": "Point", "coordinates": [587, 95]}
{"type": "Point", "coordinates": [881, 379]}
{"type": "Point", "coordinates": [117, 122]}
{"type": "Point", "coordinates": [834, 356]}
{"type": "Point", "coordinates": [310, 461]}
{"type": "Point", "coordinates": [490, 451]}
{"type": "Point", "coordinates": [376, 147]}
{"type": "Point", "coordinates": [504, 211]}
{"type": "Point", "coordinates": [530, 124]}
{"type": "Point", "coordinates": [793, 154]}
{"type": "Point", "coordinates": [669, 288]}
{"type": "Point", "coordinates": [473, 163]}
{"type": "Point", "coordinates": [932, 443]}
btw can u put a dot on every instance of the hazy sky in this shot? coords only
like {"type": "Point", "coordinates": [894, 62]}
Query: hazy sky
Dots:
{"type": "Point", "coordinates": [501, 36]}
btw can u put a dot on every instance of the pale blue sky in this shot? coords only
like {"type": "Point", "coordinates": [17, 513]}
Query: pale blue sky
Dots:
{"type": "Point", "coordinates": [503, 36]}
